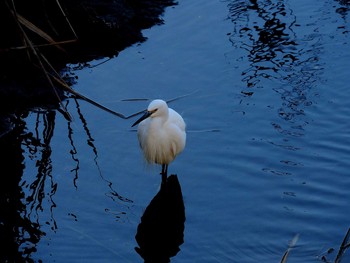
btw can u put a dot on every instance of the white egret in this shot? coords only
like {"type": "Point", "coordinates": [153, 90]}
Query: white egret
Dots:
{"type": "Point", "coordinates": [161, 134]}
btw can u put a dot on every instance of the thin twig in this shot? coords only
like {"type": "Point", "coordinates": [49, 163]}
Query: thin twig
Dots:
{"type": "Point", "coordinates": [64, 14]}
{"type": "Point", "coordinates": [291, 245]}
{"type": "Point", "coordinates": [23, 21]}
{"type": "Point", "coordinates": [343, 247]}
{"type": "Point", "coordinates": [134, 99]}
{"type": "Point", "coordinates": [168, 101]}
{"type": "Point", "coordinates": [181, 97]}
{"type": "Point", "coordinates": [80, 96]}
{"type": "Point", "coordinates": [14, 14]}
{"type": "Point", "coordinates": [39, 46]}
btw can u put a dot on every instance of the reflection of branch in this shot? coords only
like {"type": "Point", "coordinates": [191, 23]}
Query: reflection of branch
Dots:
{"type": "Point", "coordinates": [86, 129]}
{"type": "Point", "coordinates": [266, 52]}
{"type": "Point", "coordinates": [18, 235]}
{"type": "Point", "coordinates": [90, 141]}
{"type": "Point", "coordinates": [44, 169]}
{"type": "Point", "coordinates": [274, 54]}
{"type": "Point", "coordinates": [73, 152]}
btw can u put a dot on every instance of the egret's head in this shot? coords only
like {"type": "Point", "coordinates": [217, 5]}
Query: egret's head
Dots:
{"type": "Point", "coordinates": [155, 108]}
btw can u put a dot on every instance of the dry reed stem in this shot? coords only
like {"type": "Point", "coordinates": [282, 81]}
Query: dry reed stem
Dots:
{"type": "Point", "coordinates": [65, 16]}
{"type": "Point", "coordinates": [36, 30]}
{"type": "Point", "coordinates": [37, 55]}
{"type": "Point", "coordinates": [44, 63]}
{"type": "Point", "coordinates": [66, 87]}
{"type": "Point", "coordinates": [48, 75]}
{"type": "Point", "coordinates": [291, 245]}
{"type": "Point", "coordinates": [343, 247]}
{"type": "Point", "coordinates": [39, 46]}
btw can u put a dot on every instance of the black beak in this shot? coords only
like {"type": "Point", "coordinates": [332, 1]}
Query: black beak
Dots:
{"type": "Point", "coordinates": [144, 116]}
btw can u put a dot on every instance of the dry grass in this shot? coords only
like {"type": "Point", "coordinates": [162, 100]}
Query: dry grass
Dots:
{"type": "Point", "coordinates": [342, 249]}
{"type": "Point", "coordinates": [38, 59]}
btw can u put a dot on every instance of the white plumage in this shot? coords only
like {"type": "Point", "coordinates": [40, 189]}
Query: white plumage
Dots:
{"type": "Point", "coordinates": [161, 133]}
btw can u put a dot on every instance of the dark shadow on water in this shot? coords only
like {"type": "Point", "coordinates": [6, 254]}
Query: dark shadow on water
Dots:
{"type": "Point", "coordinates": [19, 233]}
{"type": "Point", "coordinates": [161, 231]}
{"type": "Point", "coordinates": [27, 182]}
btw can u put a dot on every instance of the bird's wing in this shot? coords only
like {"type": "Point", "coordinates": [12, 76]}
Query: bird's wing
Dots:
{"type": "Point", "coordinates": [176, 119]}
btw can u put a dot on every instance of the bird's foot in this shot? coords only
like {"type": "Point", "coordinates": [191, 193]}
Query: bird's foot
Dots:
{"type": "Point", "coordinates": [164, 177]}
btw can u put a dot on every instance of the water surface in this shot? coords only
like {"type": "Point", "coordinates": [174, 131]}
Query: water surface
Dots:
{"type": "Point", "coordinates": [267, 146]}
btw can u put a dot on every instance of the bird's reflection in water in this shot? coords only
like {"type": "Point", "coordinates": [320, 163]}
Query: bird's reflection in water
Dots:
{"type": "Point", "coordinates": [161, 231]}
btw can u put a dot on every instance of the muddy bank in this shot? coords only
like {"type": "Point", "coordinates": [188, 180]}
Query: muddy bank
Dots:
{"type": "Point", "coordinates": [43, 36]}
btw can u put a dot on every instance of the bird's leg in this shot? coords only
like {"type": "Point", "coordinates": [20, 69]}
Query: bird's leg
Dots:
{"type": "Point", "coordinates": [164, 173]}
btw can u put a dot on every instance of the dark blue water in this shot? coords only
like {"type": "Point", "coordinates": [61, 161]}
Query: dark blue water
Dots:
{"type": "Point", "coordinates": [268, 145]}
